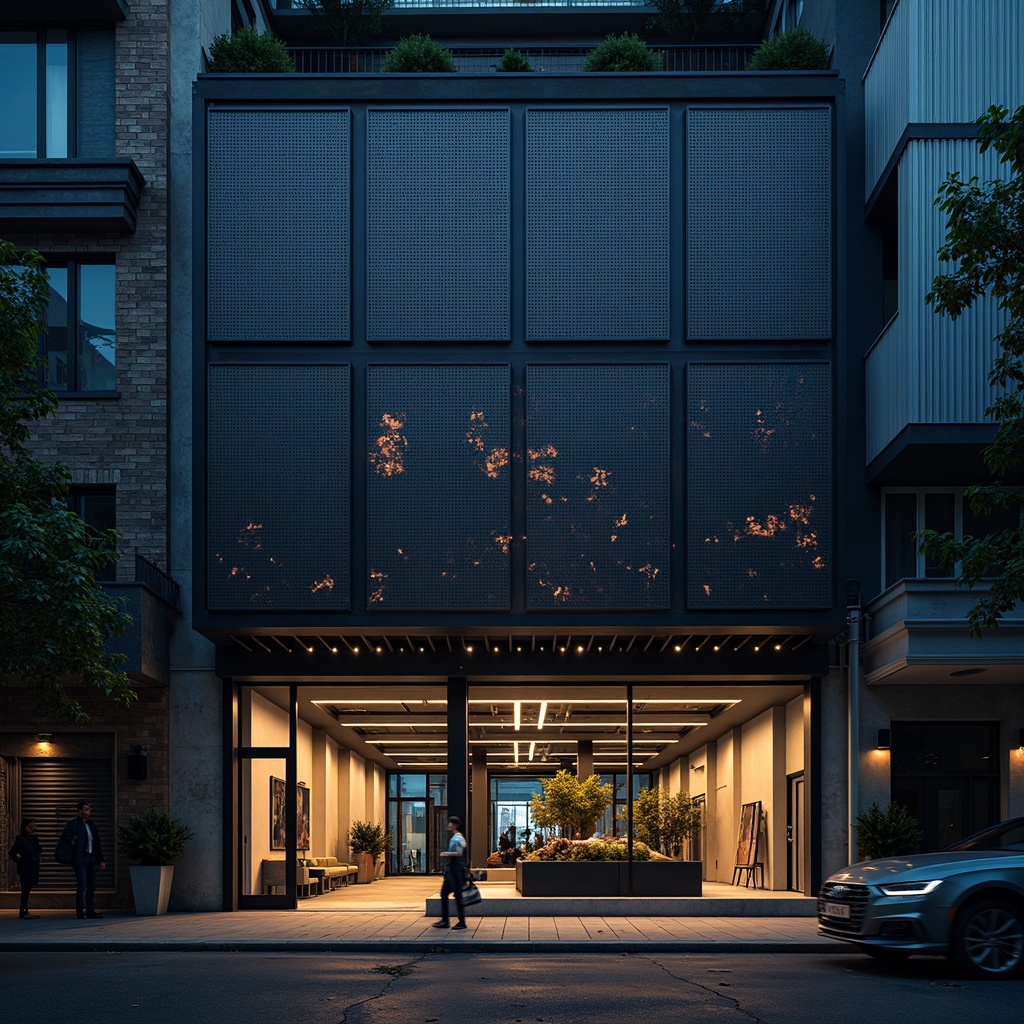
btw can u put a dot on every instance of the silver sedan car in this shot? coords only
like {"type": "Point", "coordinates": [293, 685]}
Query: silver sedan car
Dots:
{"type": "Point", "coordinates": [966, 903]}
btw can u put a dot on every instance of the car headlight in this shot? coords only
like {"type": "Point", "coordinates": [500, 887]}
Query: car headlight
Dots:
{"type": "Point", "coordinates": [911, 888]}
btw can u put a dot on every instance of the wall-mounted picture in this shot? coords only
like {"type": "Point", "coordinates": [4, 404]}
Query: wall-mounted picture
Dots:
{"type": "Point", "coordinates": [278, 832]}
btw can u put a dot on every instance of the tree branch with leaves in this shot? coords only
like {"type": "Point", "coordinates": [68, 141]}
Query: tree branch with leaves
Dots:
{"type": "Point", "coordinates": [55, 618]}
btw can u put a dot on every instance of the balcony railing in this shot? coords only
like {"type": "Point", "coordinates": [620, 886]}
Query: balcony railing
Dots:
{"type": "Point", "coordinates": [476, 60]}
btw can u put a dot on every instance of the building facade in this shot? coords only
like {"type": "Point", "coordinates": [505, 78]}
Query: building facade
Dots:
{"type": "Point", "coordinates": [507, 423]}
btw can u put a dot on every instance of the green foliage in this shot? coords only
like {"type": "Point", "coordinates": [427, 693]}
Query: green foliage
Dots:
{"type": "Point", "coordinates": [248, 52]}
{"type": "Point", "coordinates": [418, 55]}
{"type": "Point", "coordinates": [513, 60]}
{"type": "Point", "coordinates": [686, 19]}
{"type": "Point", "coordinates": [985, 239]}
{"type": "Point", "coordinates": [890, 833]}
{"type": "Point", "coordinates": [569, 850]}
{"type": "Point", "coordinates": [347, 22]}
{"type": "Point", "coordinates": [646, 817]}
{"type": "Point", "coordinates": [364, 837]}
{"type": "Point", "coordinates": [793, 50]}
{"type": "Point", "coordinates": [665, 823]}
{"type": "Point", "coordinates": [55, 619]}
{"type": "Point", "coordinates": [153, 837]}
{"type": "Point", "coordinates": [571, 805]}
{"type": "Point", "coordinates": [627, 52]}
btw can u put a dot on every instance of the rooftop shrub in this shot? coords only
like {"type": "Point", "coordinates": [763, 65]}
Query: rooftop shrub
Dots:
{"type": "Point", "coordinates": [418, 54]}
{"type": "Point", "coordinates": [627, 52]}
{"type": "Point", "coordinates": [795, 50]}
{"type": "Point", "coordinates": [248, 52]}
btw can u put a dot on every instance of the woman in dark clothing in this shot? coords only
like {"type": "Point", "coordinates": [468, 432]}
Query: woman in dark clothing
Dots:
{"type": "Point", "coordinates": [26, 853]}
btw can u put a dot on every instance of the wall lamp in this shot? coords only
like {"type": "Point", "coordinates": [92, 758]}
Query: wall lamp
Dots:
{"type": "Point", "coordinates": [137, 765]}
{"type": "Point", "coordinates": [884, 739]}
{"type": "Point", "coordinates": [45, 737]}
{"type": "Point", "coordinates": [1020, 740]}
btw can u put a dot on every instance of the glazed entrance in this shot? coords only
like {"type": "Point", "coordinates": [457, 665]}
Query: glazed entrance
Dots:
{"type": "Point", "coordinates": [312, 762]}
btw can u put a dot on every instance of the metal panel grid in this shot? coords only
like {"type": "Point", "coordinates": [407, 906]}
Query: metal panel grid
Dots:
{"type": "Point", "coordinates": [278, 482]}
{"type": "Point", "coordinates": [597, 225]}
{"type": "Point", "coordinates": [598, 465]}
{"type": "Point", "coordinates": [278, 248]}
{"type": "Point", "coordinates": [759, 234]}
{"type": "Point", "coordinates": [438, 225]}
{"type": "Point", "coordinates": [438, 505]}
{"type": "Point", "coordinates": [759, 480]}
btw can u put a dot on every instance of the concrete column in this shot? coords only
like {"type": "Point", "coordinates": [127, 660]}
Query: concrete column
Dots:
{"type": "Point", "coordinates": [584, 759]}
{"type": "Point", "coordinates": [479, 836]}
{"type": "Point", "coordinates": [319, 841]}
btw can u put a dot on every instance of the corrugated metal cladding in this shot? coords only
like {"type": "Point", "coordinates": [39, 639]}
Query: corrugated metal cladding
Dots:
{"type": "Point", "coordinates": [279, 447]}
{"type": "Point", "coordinates": [759, 480]}
{"type": "Point", "coordinates": [438, 225]}
{"type": "Point", "coordinates": [50, 790]}
{"type": "Point", "coordinates": [929, 368]}
{"type": "Point", "coordinates": [941, 62]}
{"type": "Point", "coordinates": [759, 224]}
{"type": "Point", "coordinates": [597, 225]}
{"type": "Point", "coordinates": [438, 491]}
{"type": "Point", "coordinates": [278, 225]}
{"type": "Point", "coordinates": [598, 527]}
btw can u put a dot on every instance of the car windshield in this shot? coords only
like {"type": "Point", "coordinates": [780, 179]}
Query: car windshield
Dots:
{"type": "Point", "coordinates": [1007, 836]}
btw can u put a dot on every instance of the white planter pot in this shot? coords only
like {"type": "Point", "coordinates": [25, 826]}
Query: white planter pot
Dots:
{"type": "Point", "coordinates": [151, 888]}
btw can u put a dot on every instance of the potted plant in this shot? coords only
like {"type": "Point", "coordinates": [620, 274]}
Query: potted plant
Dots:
{"type": "Point", "coordinates": [893, 832]}
{"type": "Point", "coordinates": [153, 839]}
{"type": "Point", "coordinates": [367, 841]}
{"type": "Point", "coordinates": [570, 804]}
{"type": "Point", "coordinates": [670, 824]}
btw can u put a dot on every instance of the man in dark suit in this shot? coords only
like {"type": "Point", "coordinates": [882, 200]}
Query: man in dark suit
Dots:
{"type": "Point", "coordinates": [87, 861]}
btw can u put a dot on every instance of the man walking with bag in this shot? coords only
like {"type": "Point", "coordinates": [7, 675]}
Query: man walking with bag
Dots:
{"type": "Point", "coordinates": [454, 874]}
{"type": "Point", "coordinates": [88, 859]}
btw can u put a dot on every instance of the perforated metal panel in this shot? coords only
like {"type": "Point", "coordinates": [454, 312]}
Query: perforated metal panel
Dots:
{"type": "Point", "coordinates": [278, 455]}
{"type": "Point", "coordinates": [438, 488]}
{"type": "Point", "coordinates": [278, 248]}
{"type": "Point", "coordinates": [759, 224]}
{"type": "Point", "coordinates": [438, 225]}
{"type": "Point", "coordinates": [759, 486]}
{"type": "Point", "coordinates": [598, 487]}
{"type": "Point", "coordinates": [597, 225]}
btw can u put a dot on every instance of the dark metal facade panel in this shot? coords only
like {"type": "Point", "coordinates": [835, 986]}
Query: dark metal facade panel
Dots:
{"type": "Point", "coordinates": [438, 225]}
{"type": "Point", "coordinates": [278, 246]}
{"type": "Point", "coordinates": [597, 225]}
{"type": "Point", "coordinates": [278, 455]}
{"type": "Point", "coordinates": [438, 491]}
{"type": "Point", "coordinates": [759, 481]}
{"type": "Point", "coordinates": [94, 94]}
{"type": "Point", "coordinates": [598, 463]}
{"type": "Point", "coordinates": [759, 224]}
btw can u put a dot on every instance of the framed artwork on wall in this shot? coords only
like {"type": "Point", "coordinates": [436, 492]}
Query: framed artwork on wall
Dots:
{"type": "Point", "coordinates": [278, 832]}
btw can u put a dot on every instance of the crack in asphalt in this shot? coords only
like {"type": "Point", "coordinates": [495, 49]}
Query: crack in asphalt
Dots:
{"type": "Point", "coordinates": [705, 988]}
{"type": "Point", "coordinates": [392, 972]}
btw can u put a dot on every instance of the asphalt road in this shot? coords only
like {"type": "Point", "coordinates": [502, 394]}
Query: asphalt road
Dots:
{"type": "Point", "coordinates": [465, 988]}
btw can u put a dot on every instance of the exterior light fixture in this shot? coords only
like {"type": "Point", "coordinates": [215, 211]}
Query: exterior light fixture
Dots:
{"type": "Point", "coordinates": [533, 747]}
{"type": "Point", "coordinates": [544, 711]}
{"type": "Point", "coordinates": [1020, 740]}
{"type": "Point", "coordinates": [44, 737]}
{"type": "Point", "coordinates": [137, 765]}
{"type": "Point", "coordinates": [884, 739]}
{"type": "Point", "coordinates": [517, 715]}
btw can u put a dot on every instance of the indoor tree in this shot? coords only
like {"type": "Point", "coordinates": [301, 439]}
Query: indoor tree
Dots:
{"type": "Point", "coordinates": [570, 804]}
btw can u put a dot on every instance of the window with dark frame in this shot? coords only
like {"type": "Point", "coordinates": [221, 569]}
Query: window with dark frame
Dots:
{"type": "Point", "coordinates": [80, 342]}
{"type": "Point", "coordinates": [97, 508]}
{"type": "Point", "coordinates": [35, 91]}
{"type": "Point", "coordinates": [947, 511]}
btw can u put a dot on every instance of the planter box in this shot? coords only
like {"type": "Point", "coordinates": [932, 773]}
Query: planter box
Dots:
{"type": "Point", "coordinates": [608, 878]}
{"type": "Point", "coordinates": [151, 888]}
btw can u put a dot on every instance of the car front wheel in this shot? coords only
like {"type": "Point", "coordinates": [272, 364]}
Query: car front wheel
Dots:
{"type": "Point", "coordinates": [988, 939]}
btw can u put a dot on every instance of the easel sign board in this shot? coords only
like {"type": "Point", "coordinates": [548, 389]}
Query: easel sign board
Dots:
{"type": "Point", "coordinates": [746, 842]}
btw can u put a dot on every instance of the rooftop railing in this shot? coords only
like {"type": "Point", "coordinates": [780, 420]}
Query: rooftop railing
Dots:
{"type": "Point", "coordinates": [477, 60]}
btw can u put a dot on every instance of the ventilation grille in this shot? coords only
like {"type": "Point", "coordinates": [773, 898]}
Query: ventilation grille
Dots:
{"type": "Point", "coordinates": [759, 225]}
{"type": "Point", "coordinates": [597, 225]}
{"type": "Point", "coordinates": [438, 488]}
{"type": "Point", "coordinates": [278, 225]}
{"type": "Point", "coordinates": [759, 479]}
{"type": "Point", "coordinates": [598, 487]}
{"type": "Point", "coordinates": [438, 231]}
{"type": "Point", "coordinates": [278, 488]}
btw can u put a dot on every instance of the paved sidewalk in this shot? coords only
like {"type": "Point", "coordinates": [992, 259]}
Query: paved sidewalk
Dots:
{"type": "Point", "coordinates": [390, 916]}
{"type": "Point", "coordinates": [305, 931]}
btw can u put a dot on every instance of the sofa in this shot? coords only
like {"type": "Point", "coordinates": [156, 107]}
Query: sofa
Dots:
{"type": "Point", "coordinates": [332, 872]}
